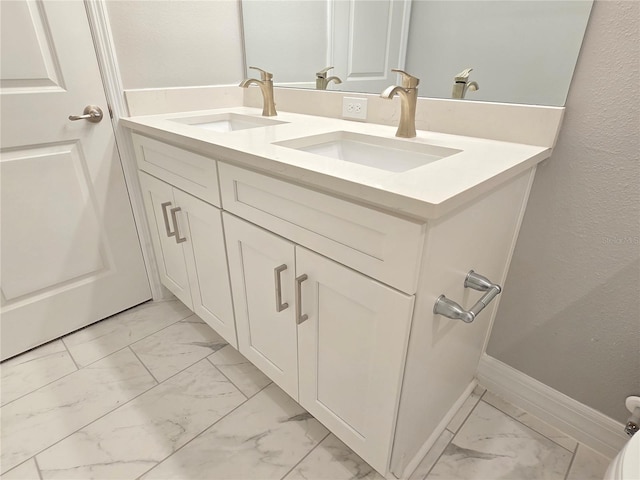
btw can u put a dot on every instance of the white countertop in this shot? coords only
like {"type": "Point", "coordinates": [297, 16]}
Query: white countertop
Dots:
{"type": "Point", "coordinates": [425, 192]}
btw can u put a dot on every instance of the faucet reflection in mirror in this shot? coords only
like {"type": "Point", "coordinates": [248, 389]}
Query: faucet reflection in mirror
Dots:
{"type": "Point", "coordinates": [523, 51]}
{"type": "Point", "coordinates": [266, 87]}
{"type": "Point", "coordinates": [322, 81]}
{"type": "Point", "coordinates": [408, 94]}
{"type": "Point", "coordinates": [461, 84]}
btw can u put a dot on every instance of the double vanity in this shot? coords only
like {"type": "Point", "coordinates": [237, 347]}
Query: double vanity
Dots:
{"type": "Point", "coordinates": [318, 248]}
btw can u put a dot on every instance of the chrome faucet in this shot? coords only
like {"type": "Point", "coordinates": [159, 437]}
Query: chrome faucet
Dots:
{"type": "Point", "coordinates": [462, 84]}
{"type": "Point", "coordinates": [322, 81]}
{"type": "Point", "coordinates": [408, 94]}
{"type": "Point", "coordinates": [266, 87]}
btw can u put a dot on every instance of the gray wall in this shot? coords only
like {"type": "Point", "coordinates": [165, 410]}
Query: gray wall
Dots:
{"type": "Point", "coordinates": [161, 44]}
{"type": "Point", "coordinates": [570, 312]}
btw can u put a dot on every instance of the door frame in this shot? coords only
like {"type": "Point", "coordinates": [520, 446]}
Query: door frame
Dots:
{"type": "Point", "coordinates": [103, 44]}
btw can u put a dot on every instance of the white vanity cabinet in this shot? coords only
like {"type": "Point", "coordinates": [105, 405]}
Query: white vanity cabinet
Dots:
{"type": "Point", "coordinates": [188, 242]}
{"type": "Point", "coordinates": [334, 298]}
{"type": "Point", "coordinates": [332, 338]}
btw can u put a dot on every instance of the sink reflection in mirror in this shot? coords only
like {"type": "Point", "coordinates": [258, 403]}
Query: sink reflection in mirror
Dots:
{"type": "Point", "coordinates": [382, 153]}
{"type": "Point", "coordinates": [227, 122]}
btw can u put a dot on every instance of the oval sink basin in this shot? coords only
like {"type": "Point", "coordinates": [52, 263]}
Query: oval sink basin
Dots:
{"type": "Point", "coordinates": [377, 152]}
{"type": "Point", "coordinates": [227, 122]}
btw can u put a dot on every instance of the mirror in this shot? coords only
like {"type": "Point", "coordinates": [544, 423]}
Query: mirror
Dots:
{"type": "Point", "coordinates": [521, 51]}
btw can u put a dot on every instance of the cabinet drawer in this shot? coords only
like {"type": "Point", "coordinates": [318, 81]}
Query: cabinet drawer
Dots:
{"type": "Point", "coordinates": [186, 170]}
{"type": "Point", "coordinates": [377, 244]}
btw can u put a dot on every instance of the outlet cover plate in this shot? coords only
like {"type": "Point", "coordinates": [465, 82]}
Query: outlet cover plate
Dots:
{"type": "Point", "coordinates": [354, 108]}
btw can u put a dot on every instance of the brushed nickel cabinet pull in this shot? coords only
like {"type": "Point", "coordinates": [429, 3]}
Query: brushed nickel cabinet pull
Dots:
{"type": "Point", "coordinates": [278, 282]}
{"type": "Point", "coordinates": [300, 317]}
{"type": "Point", "coordinates": [166, 219]}
{"type": "Point", "coordinates": [174, 211]}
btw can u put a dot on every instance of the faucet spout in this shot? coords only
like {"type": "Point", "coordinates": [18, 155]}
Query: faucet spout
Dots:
{"type": "Point", "coordinates": [408, 101]}
{"type": "Point", "coordinates": [266, 87]}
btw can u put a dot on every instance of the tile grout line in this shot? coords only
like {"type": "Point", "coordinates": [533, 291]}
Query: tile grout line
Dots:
{"type": "Point", "coordinates": [63, 376]}
{"type": "Point", "coordinates": [530, 428]}
{"type": "Point", "coordinates": [198, 435]}
{"type": "Point", "coordinates": [131, 399]}
{"type": "Point", "coordinates": [306, 455]}
{"type": "Point", "coordinates": [533, 429]}
{"type": "Point", "coordinates": [21, 464]}
{"type": "Point", "coordinates": [95, 419]}
{"type": "Point", "coordinates": [35, 460]}
{"type": "Point", "coordinates": [114, 409]}
{"type": "Point", "coordinates": [441, 453]}
{"type": "Point", "coordinates": [468, 414]}
{"type": "Point", "coordinates": [228, 379]}
{"type": "Point", "coordinates": [130, 343]}
{"type": "Point", "coordinates": [454, 435]}
{"type": "Point", "coordinates": [573, 458]}
{"type": "Point", "coordinates": [97, 360]}
{"type": "Point", "coordinates": [41, 386]}
{"type": "Point", "coordinates": [145, 365]}
{"type": "Point", "coordinates": [78, 367]}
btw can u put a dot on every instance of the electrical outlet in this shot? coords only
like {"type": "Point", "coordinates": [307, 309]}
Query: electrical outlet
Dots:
{"type": "Point", "coordinates": [354, 108]}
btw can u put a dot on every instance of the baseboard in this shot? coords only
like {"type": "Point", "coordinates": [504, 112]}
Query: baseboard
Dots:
{"type": "Point", "coordinates": [411, 466]}
{"type": "Point", "coordinates": [588, 426]}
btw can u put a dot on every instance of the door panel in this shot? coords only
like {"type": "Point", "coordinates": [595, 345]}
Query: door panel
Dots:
{"type": "Point", "coordinates": [207, 264]}
{"type": "Point", "coordinates": [170, 257]}
{"type": "Point", "coordinates": [268, 338]}
{"type": "Point", "coordinates": [368, 40]}
{"type": "Point", "coordinates": [29, 60]}
{"type": "Point", "coordinates": [66, 237]}
{"type": "Point", "coordinates": [70, 250]}
{"type": "Point", "coordinates": [351, 351]}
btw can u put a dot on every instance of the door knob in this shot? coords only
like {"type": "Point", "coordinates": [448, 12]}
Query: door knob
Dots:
{"type": "Point", "coordinates": [91, 113]}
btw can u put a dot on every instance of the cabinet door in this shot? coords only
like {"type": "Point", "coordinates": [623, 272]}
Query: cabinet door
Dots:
{"type": "Point", "coordinates": [201, 224]}
{"type": "Point", "coordinates": [351, 349]}
{"type": "Point", "coordinates": [159, 201]}
{"type": "Point", "coordinates": [261, 265]}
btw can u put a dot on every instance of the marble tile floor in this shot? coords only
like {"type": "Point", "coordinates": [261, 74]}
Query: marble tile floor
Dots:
{"type": "Point", "coordinates": [155, 393]}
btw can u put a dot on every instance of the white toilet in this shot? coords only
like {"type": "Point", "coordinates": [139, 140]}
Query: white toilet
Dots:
{"type": "Point", "coordinates": [626, 465]}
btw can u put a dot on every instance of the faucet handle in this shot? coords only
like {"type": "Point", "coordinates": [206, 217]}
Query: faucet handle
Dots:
{"type": "Point", "coordinates": [408, 80]}
{"type": "Point", "coordinates": [463, 76]}
{"type": "Point", "coordinates": [264, 75]}
{"type": "Point", "coordinates": [323, 73]}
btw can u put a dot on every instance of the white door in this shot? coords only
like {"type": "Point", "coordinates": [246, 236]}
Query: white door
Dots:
{"type": "Point", "coordinates": [352, 348]}
{"type": "Point", "coordinates": [70, 252]}
{"type": "Point", "coordinates": [262, 268]}
{"type": "Point", "coordinates": [205, 254]}
{"type": "Point", "coordinates": [161, 209]}
{"type": "Point", "coordinates": [368, 39]}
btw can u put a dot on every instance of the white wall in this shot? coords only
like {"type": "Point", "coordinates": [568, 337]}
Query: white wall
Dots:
{"type": "Point", "coordinates": [177, 43]}
{"type": "Point", "coordinates": [570, 312]}
{"type": "Point", "coordinates": [446, 37]}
